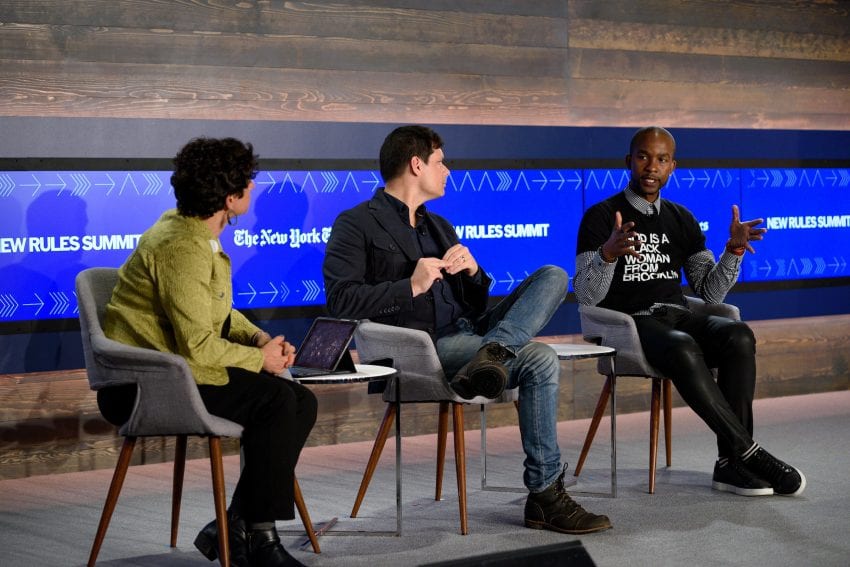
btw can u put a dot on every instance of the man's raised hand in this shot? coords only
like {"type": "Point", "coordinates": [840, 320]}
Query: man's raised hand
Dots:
{"type": "Point", "coordinates": [623, 240]}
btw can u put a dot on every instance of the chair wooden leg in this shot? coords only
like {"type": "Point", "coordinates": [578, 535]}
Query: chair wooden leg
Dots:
{"type": "Point", "coordinates": [305, 517]}
{"type": "Point", "coordinates": [601, 404]}
{"type": "Point", "coordinates": [655, 407]}
{"type": "Point", "coordinates": [177, 485]}
{"type": "Point", "coordinates": [442, 434]}
{"type": "Point", "coordinates": [377, 448]}
{"type": "Point", "coordinates": [220, 500]}
{"type": "Point", "coordinates": [668, 420]}
{"type": "Point", "coordinates": [112, 496]}
{"type": "Point", "coordinates": [460, 464]}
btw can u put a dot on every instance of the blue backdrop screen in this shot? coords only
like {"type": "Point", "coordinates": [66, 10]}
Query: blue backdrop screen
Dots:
{"type": "Point", "coordinates": [55, 223]}
{"type": "Point", "coordinates": [807, 214]}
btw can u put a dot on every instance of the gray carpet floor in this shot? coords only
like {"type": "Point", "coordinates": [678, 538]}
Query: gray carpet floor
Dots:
{"type": "Point", "coordinates": [51, 520]}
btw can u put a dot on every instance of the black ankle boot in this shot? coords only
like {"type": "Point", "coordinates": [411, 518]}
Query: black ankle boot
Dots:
{"type": "Point", "coordinates": [207, 541]}
{"type": "Point", "coordinates": [265, 550]}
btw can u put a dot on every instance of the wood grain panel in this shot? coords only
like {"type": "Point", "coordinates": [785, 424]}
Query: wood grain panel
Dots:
{"type": "Point", "coordinates": [824, 17]}
{"type": "Point", "coordinates": [127, 45]}
{"type": "Point", "coordinates": [507, 7]}
{"type": "Point", "coordinates": [151, 91]}
{"type": "Point", "coordinates": [286, 111]}
{"type": "Point", "coordinates": [477, 62]}
{"type": "Point", "coordinates": [72, 455]}
{"type": "Point", "coordinates": [673, 118]}
{"type": "Point", "coordinates": [711, 69]}
{"type": "Point", "coordinates": [715, 105]}
{"type": "Point", "coordinates": [50, 82]}
{"type": "Point", "coordinates": [44, 395]}
{"type": "Point", "coordinates": [666, 38]}
{"type": "Point", "coordinates": [816, 351]}
{"type": "Point", "coordinates": [360, 20]}
{"type": "Point", "coordinates": [720, 98]}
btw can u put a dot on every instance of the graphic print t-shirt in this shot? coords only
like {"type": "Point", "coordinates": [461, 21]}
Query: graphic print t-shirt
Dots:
{"type": "Point", "coordinates": [667, 240]}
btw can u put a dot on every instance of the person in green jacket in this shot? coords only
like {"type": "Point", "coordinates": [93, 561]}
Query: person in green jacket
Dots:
{"type": "Point", "coordinates": [174, 294]}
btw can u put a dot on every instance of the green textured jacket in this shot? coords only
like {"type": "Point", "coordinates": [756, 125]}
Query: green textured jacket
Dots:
{"type": "Point", "coordinates": [174, 294]}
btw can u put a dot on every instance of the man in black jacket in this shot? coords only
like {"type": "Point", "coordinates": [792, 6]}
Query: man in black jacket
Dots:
{"type": "Point", "coordinates": [392, 261]}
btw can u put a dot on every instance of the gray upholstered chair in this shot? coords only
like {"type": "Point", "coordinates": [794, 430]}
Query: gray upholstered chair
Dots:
{"type": "Point", "coordinates": [167, 403]}
{"type": "Point", "coordinates": [419, 379]}
{"type": "Point", "coordinates": [614, 329]}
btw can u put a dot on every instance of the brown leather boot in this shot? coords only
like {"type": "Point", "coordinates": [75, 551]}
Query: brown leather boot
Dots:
{"type": "Point", "coordinates": [553, 509]}
{"type": "Point", "coordinates": [485, 375]}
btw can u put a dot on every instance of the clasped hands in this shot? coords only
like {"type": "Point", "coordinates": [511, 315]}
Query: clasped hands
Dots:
{"type": "Point", "coordinates": [278, 354]}
{"type": "Point", "coordinates": [625, 240]}
{"type": "Point", "coordinates": [428, 270]}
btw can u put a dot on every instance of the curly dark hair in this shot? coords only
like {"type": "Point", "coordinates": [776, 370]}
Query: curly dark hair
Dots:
{"type": "Point", "coordinates": [402, 144]}
{"type": "Point", "coordinates": [207, 171]}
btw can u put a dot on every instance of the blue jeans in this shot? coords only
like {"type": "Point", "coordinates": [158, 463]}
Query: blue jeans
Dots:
{"type": "Point", "coordinates": [534, 369]}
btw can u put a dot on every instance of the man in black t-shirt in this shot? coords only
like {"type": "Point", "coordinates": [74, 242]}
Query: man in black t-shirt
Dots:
{"type": "Point", "coordinates": [636, 269]}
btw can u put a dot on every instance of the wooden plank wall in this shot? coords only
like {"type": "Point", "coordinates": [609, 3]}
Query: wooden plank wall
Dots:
{"type": "Point", "coordinates": [49, 423]}
{"type": "Point", "coordinates": [681, 63]}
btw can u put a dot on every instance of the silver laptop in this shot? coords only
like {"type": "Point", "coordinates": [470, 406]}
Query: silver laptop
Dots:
{"type": "Point", "coordinates": [325, 348]}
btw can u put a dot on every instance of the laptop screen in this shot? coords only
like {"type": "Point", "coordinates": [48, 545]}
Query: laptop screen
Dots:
{"type": "Point", "coordinates": [325, 343]}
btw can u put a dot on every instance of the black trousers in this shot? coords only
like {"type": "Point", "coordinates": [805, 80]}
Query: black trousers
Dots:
{"type": "Point", "coordinates": [277, 416]}
{"type": "Point", "coordinates": [684, 346]}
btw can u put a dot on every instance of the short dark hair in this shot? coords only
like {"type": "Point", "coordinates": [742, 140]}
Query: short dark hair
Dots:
{"type": "Point", "coordinates": [207, 171]}
{"type": "Point", "coordinates": [650, 130]}
{"type": "Point", "coordinates": [402, 144]}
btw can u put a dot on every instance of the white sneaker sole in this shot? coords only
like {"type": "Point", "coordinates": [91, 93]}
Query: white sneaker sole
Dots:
{"type": "Point", "coordinates": [741, 491]}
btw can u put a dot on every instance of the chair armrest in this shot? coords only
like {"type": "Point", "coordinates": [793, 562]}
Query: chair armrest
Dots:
{"type": "Point", "coordinates": [598, 324]}
{"type": "Point", "coordinates": [413, 356]}
{"type": "Point", "coordinates": [113, 355]}
{"type": "Point", "coordinates": [611, 328]}
{"type": "Point", "coordinates": [167, 398]}
{"type": "Point", "coordinates": [375, 341]}
{"type": "Point", "coordinates": [727, 310]}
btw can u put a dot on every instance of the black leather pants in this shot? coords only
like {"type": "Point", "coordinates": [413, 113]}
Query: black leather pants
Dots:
{"type": "Point", "coordinates": [684, 346]}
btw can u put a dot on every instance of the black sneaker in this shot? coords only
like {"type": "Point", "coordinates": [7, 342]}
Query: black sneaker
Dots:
{"type": "Point", "coordinates": [553, 509]}
{"type": "Point", "coordinates": [485, 375]}
{"type": "Point", "coordinates": [785, 479]}
{"type": "Point", "coordinates": [732, 475]}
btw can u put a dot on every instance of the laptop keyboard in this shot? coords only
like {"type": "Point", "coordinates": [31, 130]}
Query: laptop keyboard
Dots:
{"type": "Point", "coordinates": [299, 372]}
